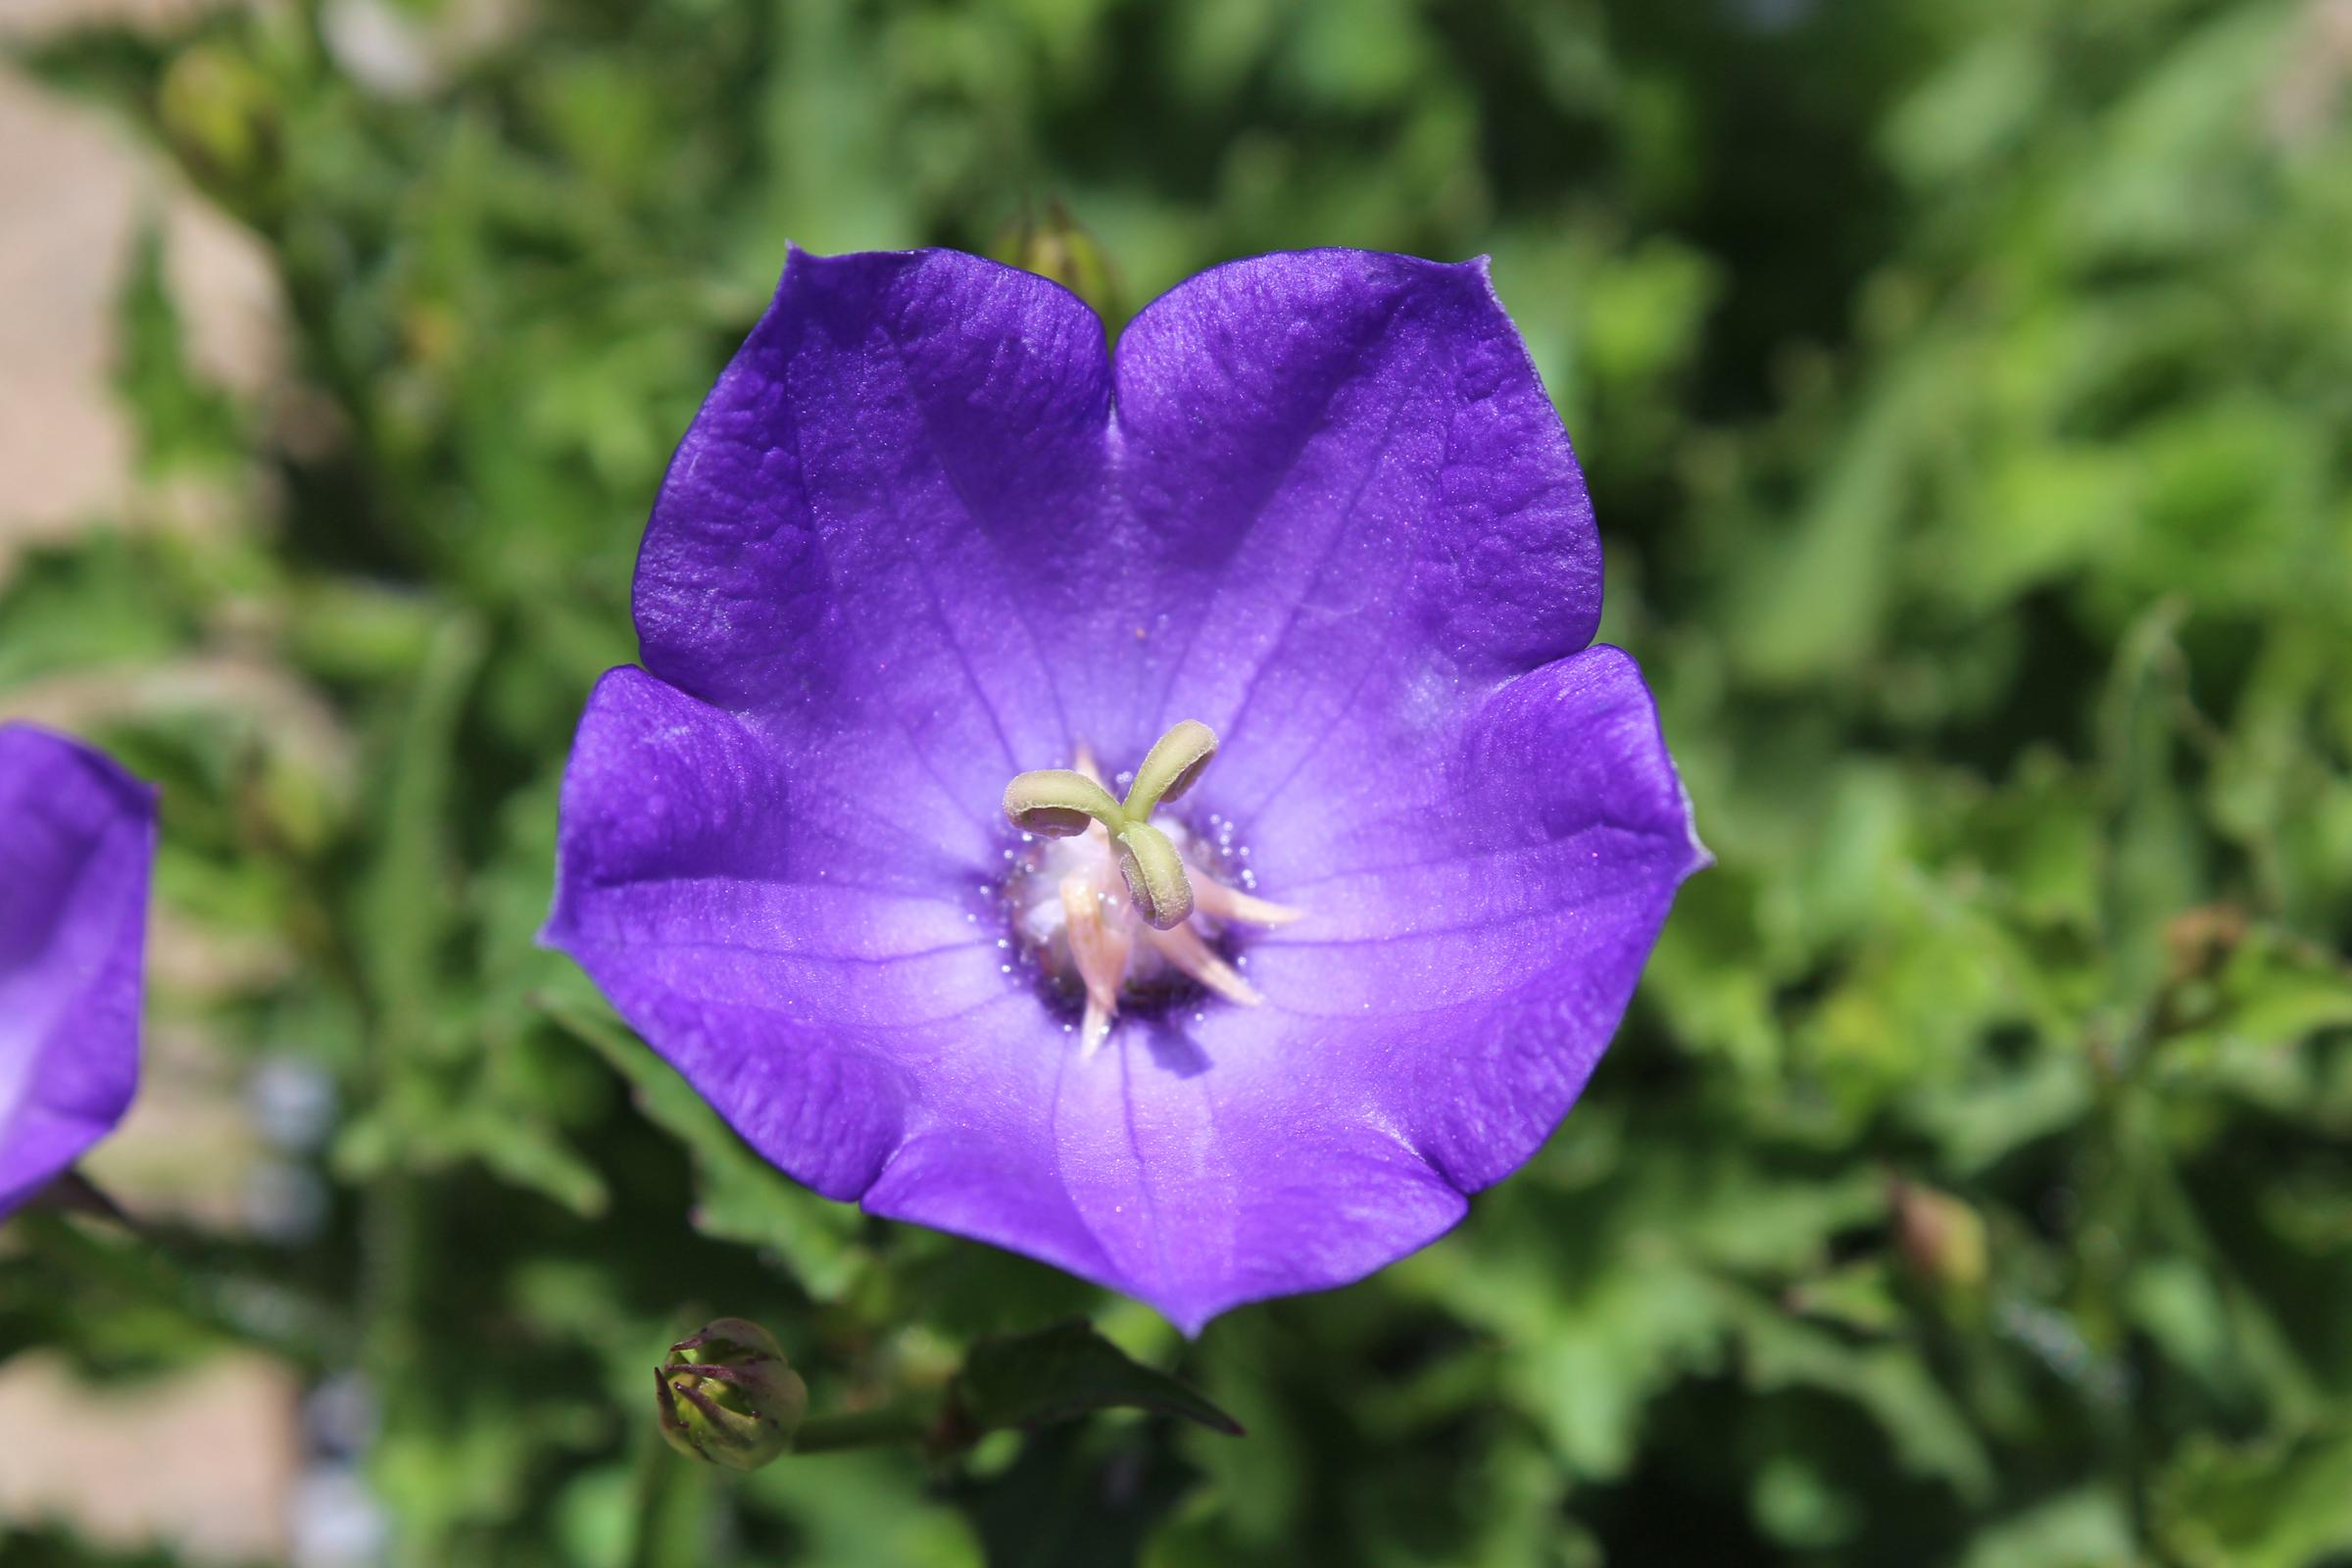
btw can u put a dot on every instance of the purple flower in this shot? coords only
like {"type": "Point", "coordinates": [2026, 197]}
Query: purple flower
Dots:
{"type": "Point", "coordinates": [76, 840]}
{"type": "Point", "coordinates": [925, 537]}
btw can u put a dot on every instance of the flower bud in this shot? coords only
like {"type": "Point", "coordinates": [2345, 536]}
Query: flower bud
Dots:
{"type": "Point", "coordinates": [726, 1396]}
{"type": "Point", "coordinates": [1941, 1238]}
{"type": "Point", "coordinates": [222, 116]}
{"type": "Point", "coordinates": [1052, 244]}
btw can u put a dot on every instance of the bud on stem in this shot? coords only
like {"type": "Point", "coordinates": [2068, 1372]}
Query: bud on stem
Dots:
{"type": "Point", "coordinates": [728, 1397]}
{"type": "Point", "coordinates": [1053, 245]}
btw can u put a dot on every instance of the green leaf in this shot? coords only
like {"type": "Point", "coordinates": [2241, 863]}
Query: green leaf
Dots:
{"type": "Point", "coordinates": [1063, 1372]}
{"type": "Point", "coordinates": [1929, 1433]}
{"type": "Point", "coordinates": [744, 1198]}
{"type": "Point", "coordinates": [1075, 1498]}
{"type": "Point", "coordinates": [181, 421]}
{"type": "Point", "coordinates": [2278, 1504]}
{"type": "Point", "coordinates": [2082, 1529]}
{"type": "Point", "coordinates": [404, 910]}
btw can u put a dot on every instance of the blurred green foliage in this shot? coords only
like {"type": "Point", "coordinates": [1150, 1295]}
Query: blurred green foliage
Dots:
{"type": "Point", "coordinates": [1967, 396]}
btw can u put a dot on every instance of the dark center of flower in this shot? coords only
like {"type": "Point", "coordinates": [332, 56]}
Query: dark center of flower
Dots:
{"type": "Point", "coordinates": [1115, 928]}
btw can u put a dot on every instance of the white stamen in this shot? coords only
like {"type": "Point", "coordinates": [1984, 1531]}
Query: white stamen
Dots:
{"type": "Point", "coordinates": [1218, 901]}
{"type": "Point", "coordinates": [1182, 947]}
{"type": "Point", "coordinates": [1100, 948]}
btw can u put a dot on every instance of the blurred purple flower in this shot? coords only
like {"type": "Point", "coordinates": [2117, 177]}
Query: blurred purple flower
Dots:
{"type": "Point", "coordinates": [76, 840]}
{"type": "Point", "coordinates": [926, 534]}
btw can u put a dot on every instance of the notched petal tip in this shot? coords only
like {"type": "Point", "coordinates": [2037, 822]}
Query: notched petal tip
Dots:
{"type": "Point", "coordinates": [1701, 858]}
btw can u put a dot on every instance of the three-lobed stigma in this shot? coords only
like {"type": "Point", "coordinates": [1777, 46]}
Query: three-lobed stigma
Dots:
{"type": "Point", "coordinates": [1113, 929]}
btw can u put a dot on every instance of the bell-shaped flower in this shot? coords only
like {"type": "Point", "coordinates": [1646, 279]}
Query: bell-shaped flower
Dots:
{"type": "Point", "coordinates": [1157, 812]}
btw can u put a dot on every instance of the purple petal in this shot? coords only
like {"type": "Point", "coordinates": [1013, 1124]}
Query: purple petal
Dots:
{"type": "Point", "coordinates": [1424, 1031]}
{"type": "Point", "coordinates": [739, 924]}
{"type": "Point", "coordinates": [76, 842]}
{"type": "Point", "coordinates": [876, 531]}
{"type": "Point", "coordinates": [1473, 945]}
{"type": "Point", "coordinates": [1426, 1027]}
{"type": "Point", "coordinates": [1360, 503]}
{"type": "Point", "coordinates": [1192, 1176]}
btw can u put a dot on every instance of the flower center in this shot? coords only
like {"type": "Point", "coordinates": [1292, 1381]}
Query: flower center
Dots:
{"type": "Point", "coordinates": [1117, 900]}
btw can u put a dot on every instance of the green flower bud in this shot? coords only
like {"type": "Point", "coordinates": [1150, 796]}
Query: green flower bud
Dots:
{"type": "Point", "coordinates": [223, 117]}
{"type": "Point", "coordinates": [726, 1396]}
{"type": "Point", "coordinates": [1053, 245]}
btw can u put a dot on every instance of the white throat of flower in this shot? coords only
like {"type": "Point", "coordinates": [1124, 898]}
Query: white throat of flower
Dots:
{"type": "Point", "coordinates": [1119, 898]}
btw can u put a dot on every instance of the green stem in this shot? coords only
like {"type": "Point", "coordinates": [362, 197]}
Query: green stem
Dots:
{"type": "Point", "coordinates": [674, 1507]}
{"type": "Point", "coordinates": [903, 1424]}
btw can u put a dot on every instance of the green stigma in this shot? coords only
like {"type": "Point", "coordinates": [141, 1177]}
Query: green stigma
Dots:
{"type": "Point", "coordinates": [1060, 803]}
